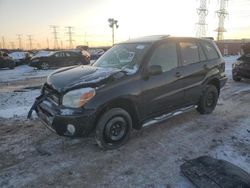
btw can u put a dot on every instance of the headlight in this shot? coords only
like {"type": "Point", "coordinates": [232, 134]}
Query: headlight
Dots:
{"type": "Point", "coordinates": [35, 60]}
{"type": "Point", "coordinates": [77, 98]}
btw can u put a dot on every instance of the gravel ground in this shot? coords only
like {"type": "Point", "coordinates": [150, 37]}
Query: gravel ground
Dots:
{"type": "Point", "coordinates": [32, 156]}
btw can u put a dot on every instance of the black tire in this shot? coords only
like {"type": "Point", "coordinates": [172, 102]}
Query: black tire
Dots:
{"type": "Point", "coordinates": [208, 100]}
{"type": "Point", "coordinates": [236, 78]}
{"type": "Point", "coordinates": [113, 128]}
{"type": "Point", "coordinates": [44, 66]}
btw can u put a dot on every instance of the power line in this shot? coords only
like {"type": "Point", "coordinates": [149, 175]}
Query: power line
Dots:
{"type": "Point", "coordinates": [54, 27]}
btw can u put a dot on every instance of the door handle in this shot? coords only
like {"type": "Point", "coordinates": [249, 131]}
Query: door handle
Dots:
{"type": "Point", "coordinates": [178, 74]}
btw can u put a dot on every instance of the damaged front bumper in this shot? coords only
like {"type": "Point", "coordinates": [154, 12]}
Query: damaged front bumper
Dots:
{"type": "Point", "coordinates": [63, 121]}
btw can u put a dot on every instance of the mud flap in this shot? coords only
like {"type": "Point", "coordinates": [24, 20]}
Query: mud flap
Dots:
{"type": "Point", "coordinates": [207, 172]}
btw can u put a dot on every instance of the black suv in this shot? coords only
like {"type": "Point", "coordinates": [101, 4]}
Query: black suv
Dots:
{"type": "Point", "coordinates": [241, 69]}
{"type": "Point", "coordinates": [58, 59]}
{"type": "Point", "coordinates": [134, 84]}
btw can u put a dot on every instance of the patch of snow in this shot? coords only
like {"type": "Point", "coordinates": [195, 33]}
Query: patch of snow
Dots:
{"type": "Point", "coordinates": [21, 73]}
{"type": "Point", "coordinates": [229, 60]}
{"type": "Point", "coordinates": [16, 104]}
{"type": "Point", "coordinates": [18, 55]}
{"type": "Point", "coordinates": [43, 54]}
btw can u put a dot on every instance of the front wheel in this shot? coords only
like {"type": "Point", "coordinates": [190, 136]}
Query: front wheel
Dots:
{"type": "Point", "coordinates": [208, 100]}
{"type": "Point", "coordinates": [44, 66]}
{"type": "Point", "coordinates": [113, 128]}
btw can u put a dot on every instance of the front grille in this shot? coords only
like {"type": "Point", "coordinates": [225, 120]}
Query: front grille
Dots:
{"type": "Point", "coordinates": [54, 97]}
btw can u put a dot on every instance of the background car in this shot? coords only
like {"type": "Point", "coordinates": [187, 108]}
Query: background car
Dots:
{"type": "Point", "coordinates": [241, 69]}
{"type": "Point", "coordinates": [6, 61]}
{"type": "Point", "coordinates": [56, 59]}
{"type": "Point", "coordinates": [20, 58]}
{"type": "Point", "coordinates": [97, 53]}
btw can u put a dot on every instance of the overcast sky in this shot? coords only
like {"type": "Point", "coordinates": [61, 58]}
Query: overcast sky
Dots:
{"type": "Point", "coordinates": [135, 18]}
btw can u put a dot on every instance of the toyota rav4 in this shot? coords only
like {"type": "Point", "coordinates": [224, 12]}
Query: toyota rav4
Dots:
{"type": "Point", "coordinates": [134, 84]}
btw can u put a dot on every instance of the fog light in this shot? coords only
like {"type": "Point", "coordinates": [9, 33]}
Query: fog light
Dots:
{"type": "Point", "coordinates": [71, 128]}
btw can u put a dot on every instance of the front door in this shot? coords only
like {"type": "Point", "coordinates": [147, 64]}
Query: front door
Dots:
{"type": "Point", "coordinates": [163, 93]}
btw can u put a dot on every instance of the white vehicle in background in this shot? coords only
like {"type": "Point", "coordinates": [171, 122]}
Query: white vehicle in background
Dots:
{"type": "Point", "coordinates": [20, 58]}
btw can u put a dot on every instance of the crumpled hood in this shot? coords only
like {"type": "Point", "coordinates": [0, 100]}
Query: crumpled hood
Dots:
{"type": "Point", "coordinates": [72, 77]}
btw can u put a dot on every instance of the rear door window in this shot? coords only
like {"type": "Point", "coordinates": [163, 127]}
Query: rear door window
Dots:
{"type": "Point", "coordinates": [166, 56]}
{"type": "Point", "coordinates": [210, 51]}
{"type": "Point", "coordinates": [189, 53]}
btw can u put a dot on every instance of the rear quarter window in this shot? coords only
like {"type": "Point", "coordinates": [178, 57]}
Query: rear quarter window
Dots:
{"type": "Point", "coordinates": [210, 50]}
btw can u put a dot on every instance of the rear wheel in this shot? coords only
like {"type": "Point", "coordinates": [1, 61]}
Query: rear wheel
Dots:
{"type": "Point", "coordinates": [209, 100]}
{"type": "Point", "coordinates": [44, 65]}
{"type": "Point", "coordinates": [113, 128]}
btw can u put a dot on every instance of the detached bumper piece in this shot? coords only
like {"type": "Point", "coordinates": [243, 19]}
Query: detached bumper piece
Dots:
{"type": "Point", "coordinates": [207, 172]}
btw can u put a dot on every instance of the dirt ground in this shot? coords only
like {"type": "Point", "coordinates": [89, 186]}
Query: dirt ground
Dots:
{"type": "Point", "coordinates": [32, 156]}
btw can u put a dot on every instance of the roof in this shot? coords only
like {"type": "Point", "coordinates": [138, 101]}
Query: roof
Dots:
{"type": "Point", "coordinates": [155, 38]}
{"type": "Point", "coordinates": [152, 38]}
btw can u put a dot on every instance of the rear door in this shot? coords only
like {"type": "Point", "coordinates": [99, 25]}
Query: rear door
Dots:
{"type": "Point", "coordinates": [194, 68]}
{"type": "Point", "coordinates": [163, 92]}
{"type": "Point", "coordinates": [58, 59]}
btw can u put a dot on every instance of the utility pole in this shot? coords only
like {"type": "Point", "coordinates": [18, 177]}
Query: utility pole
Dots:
{"type": "Point", "coordinates": [202, 13]}
{"type": "Point", "coordinates": [3, 41]}
{"type": "Point", "coordinates": [222, 14]}
{"type": "Point", "coordinates": [69, 33]}
{"type": "Point", "coordinates": [30, 41]}
{"type": "Point", "coordinates": [19, 37]}
{"type": "Point", "coordinates": [113, 24]}
{"type": "Point", "coordinates": [54, 27]}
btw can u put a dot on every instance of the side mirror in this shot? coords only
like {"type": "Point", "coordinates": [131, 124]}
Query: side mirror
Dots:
{"type": "Point", "coordinates": [154, 70]}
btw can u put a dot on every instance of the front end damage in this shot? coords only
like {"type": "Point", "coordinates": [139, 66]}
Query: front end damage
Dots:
{"type": "Point", "coordinates": [61, 120]}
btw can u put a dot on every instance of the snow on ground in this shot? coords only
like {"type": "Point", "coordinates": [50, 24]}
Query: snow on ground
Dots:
{"type": "Point", "coordinates": [17, 104]}
{"type": "Point", "coordinates": [22, 72]}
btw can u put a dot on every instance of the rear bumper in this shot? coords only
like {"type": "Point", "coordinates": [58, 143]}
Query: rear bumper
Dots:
{"type": "Point", "coordinates": [57, 119]}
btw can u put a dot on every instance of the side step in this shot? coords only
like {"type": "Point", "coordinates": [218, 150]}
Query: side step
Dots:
{"type": "Point", "coordinates": [168, 115]}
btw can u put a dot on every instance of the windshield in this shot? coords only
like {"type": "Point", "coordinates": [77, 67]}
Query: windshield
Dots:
{"type": "Point", "coordinates": [126, 57]}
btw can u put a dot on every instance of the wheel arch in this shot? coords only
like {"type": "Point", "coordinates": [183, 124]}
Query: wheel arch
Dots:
{"type": "Point", "coordinates": [124, 103]}
{"type": "Point", "coordinates": [216, 82]}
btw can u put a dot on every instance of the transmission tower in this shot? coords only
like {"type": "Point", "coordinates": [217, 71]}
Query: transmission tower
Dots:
{"type": "Point", "coordinates": [69, 33]}
{"type": "Point", "coordinates": [54, 27]}
{"type": "Point", "coordinates": [222, 14]}
{"type": "Point", "coordinates": [30, 41]}
{"type": "Point", "coordinates": [202, 13]}
{"type": "Point", "coordinates": [3, 42]}
{"type": "Point", "coordinates": [19, 37]}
